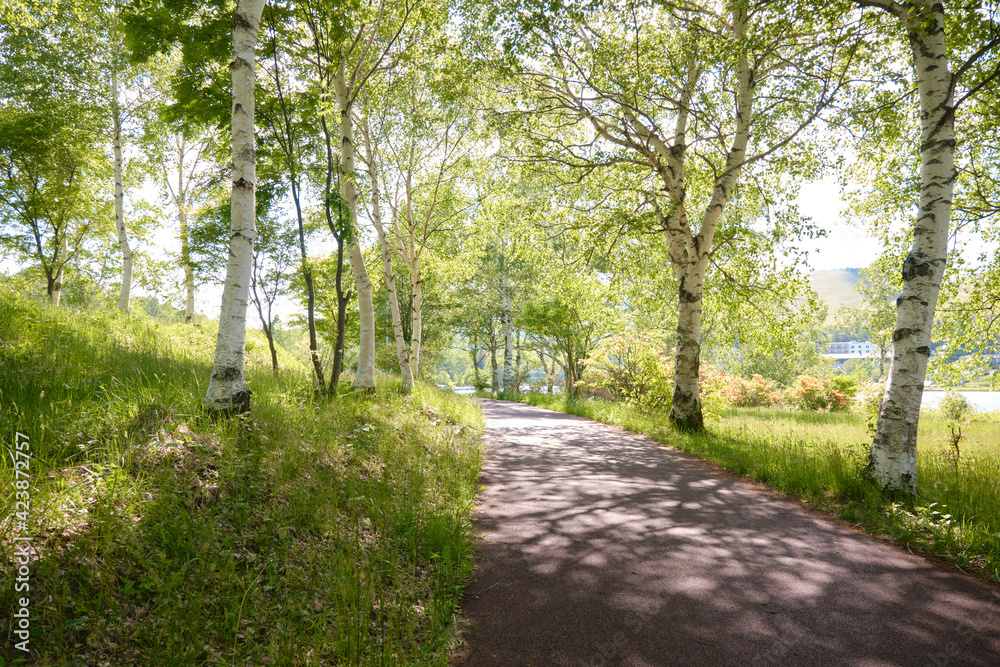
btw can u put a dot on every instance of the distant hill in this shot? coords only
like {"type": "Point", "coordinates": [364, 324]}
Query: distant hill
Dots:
{"type": "Point", "coordinates": [836, 288]}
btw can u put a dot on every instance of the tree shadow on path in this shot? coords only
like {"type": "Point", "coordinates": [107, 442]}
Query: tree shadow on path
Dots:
{"type": "Point", "coordinates": [600, 548]}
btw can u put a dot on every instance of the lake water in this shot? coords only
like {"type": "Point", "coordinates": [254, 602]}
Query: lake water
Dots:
{"type": "Point", "coordinates": [982, 401]}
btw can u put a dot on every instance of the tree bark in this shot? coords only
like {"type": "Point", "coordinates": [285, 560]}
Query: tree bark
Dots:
{"type": "Point", "coordinates": [123, 244]}
{"type": "Point", "coordinates": [402, 358]}
{"type": "Point", "coordinates": [690, 253]}
{"type": "Point", "coordinates": [416, 317]}
{"type": "Point", "coordinates": [892, 462]}
{"type": "Point", "coordinates": [474, 353]}
{"type": "Point", "coordinates": [342, 300]}
{"type": "Point", "coordinates": [508, 340]}
{"type": "Point", "coordinates": [187, 264]}
{"type": "Point", "coordinates": [227, 388]}
{"type": "Point", "coordinates": [180, 198]}
{"type": "Point", "coordinates": [55, 293]}
{"type": "Point", "coordinates": [494, 369]}
{"type": "Point", "coordinates": [265, 320]}
{"type": "Point", "coordinates": [364, 380]}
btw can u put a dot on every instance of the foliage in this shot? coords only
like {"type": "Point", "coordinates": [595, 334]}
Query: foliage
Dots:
{"type": "Point", "coordinates": [633, 368]}
{"type": "Point", "coordinates": [826, 393]}
{"type": "Point", "coordinates": [757, 392]}
{"type": "Point", "coordinates": [868, 400]}
{"type": "Point", "coordinates": [956, 410]}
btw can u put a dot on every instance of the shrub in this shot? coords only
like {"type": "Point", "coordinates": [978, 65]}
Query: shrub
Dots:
{"type": "Point", "coordinates": [632, 368]}
{"type": "Point", "coordinates": [955, 407]}
{"type": "Point", "coordinates": [757, 392]}
{"type": "Point", "coordinates": [815, 394]}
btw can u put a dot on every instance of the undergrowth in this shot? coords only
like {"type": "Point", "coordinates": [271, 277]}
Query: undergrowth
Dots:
{"type": "Point", "coordinates": [308, 532]}
{"type": "Point", "coordinates": [819, 457]}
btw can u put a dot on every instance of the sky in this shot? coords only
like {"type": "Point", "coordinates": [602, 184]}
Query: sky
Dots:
{"type": "Point", "coordinates": [846, 245]}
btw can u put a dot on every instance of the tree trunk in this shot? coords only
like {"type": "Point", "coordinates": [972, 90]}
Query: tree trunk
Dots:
{"type": "Point", "coordinates": [55, 294]}
{"type": "Point", "coordinates": [288, 146]}
{"type": "Point", "coordinates": [180, 198]}
{"type": "Point", "coordinates": [685, 409]}
{"type": "Point", "coordinates": [508, 340]}
{"type": "Point", "coordinates": [690, 253]}
{"type": "Point", "coordinates": [116, 141]}
{"type": "Point", "coordinates": [342, 301]}
{"type": "Point", "coordinates": [269, 332]}
{"type": "Point", "coordinates": [569, 372]}
{"type": "Point", "coordinates": [50, 286]}
{"type": "Point", "coordinates": [893, 459]}
{"type": "Point", "coordinates": [265, 320]}
{"type": "Point", "coordinates": [227, 388]}
{"type": "Point", "coordinates": [474, 352]}
{"type": "Point", "coordinates": [494, 369]}
{"type": "Point", "coordinates": [402, 358]}
{"type": "Point", "coordinates": [186, 259]}
{"type": "Point", "coordinates": [416, 317]}
{"type": "Point", "coordinates": [365, 378]}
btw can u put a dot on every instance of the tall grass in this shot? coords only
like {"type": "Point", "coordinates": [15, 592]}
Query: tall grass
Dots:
{"type": "Point", "coordinates": [819, 457]}
{"type": "Point", "coordinates": [310, 532]}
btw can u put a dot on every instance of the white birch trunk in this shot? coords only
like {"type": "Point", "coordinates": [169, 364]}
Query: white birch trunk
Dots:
{"type": "Point", "coordinates": [227, 388]}
{"type": "Point", "coordinates": [180, 199]}
{"type": "Point", "coordinates": [416, 317]}
{"type": "Point", "coordinates": [689, 253]}
{"type": "Point", "coordinates": [893, 459]}
{"type": "Point", "coordinates": [402, 357]}
{"type": "Point", "coordinates": [188, 268]}
{"type": "Point", "coordinates": [116, 141]}
{"type": "Point", "coordinates": [508, 339]}
{"type": "Point", "coordinates": [63, 258]}
{"type": "Point", "coordinates": [365, 377]}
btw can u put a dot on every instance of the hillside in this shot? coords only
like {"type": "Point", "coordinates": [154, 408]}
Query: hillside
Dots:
{"type": "Point", "coordinates": [310, 531]}
{"type": "Point", "coordinates": [836, 288]}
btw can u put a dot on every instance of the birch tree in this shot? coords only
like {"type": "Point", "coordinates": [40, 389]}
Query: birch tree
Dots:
{"type": "Point", "coordinates": [693, 96]}
{"type": "Point", "coordinates": [385, 253]}
{"type": "Point", "coordinates": [892, 462]}
{"type": "Point", "coordinates": [227, 388]}
{"type": "Point", "coordinates": [348, 51]}
{"type": "Point", "coordinates": [189, 159]}
{"type": "Point", "coordinates": [426, 128]}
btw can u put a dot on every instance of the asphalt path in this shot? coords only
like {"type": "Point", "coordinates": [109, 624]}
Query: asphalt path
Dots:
{"type": "Point", "coordinates": [600, 547]}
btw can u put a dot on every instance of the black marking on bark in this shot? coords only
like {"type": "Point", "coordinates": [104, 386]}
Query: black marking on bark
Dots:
{"type": "Point", "coordinates": [900, 334]}
{"type": "Point", "coordinates": [238, 63]}
{"type": "Point", "coordinates": [227, 374]}
{"type": "Point", "coordinates": [687, 296]}
{"type": "Point", "coordinates": [912, 268]}
{"type": "Point", "coordinates": [924, 350]}
{"type": "Point", "coordinates": [241, 21]}
{"type": "Point", "coordinates": [239, 403]}
{"type": "Point", "coordinates": [243, 184]}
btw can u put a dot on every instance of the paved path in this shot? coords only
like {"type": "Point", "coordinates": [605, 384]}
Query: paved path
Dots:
{"type": "Point", "coordinates": [600, 548]}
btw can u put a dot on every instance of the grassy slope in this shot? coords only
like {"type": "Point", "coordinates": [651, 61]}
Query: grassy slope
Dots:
{"type": "Point", "coordinates": [308, 533]}
{"type": "Point", "coordinates": [818, 457]}
{"type": "Point", "coordinates": [836, 288]}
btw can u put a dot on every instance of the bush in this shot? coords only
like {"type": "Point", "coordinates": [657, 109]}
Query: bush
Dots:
{"type": "Point", "coordinates": [757, 392]}
{"type": "Point", "coordinates": [632, 368]}
{"type": "Point", "coordinates": [955, 407]}
{"type": "Point", "coordinates": [815, 394]}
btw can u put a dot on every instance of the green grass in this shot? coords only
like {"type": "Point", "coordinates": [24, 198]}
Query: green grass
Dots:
{"type": "Point", "coordinates": [310, 532]}
{"type": "Point", "coordinates": [819, 457]}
